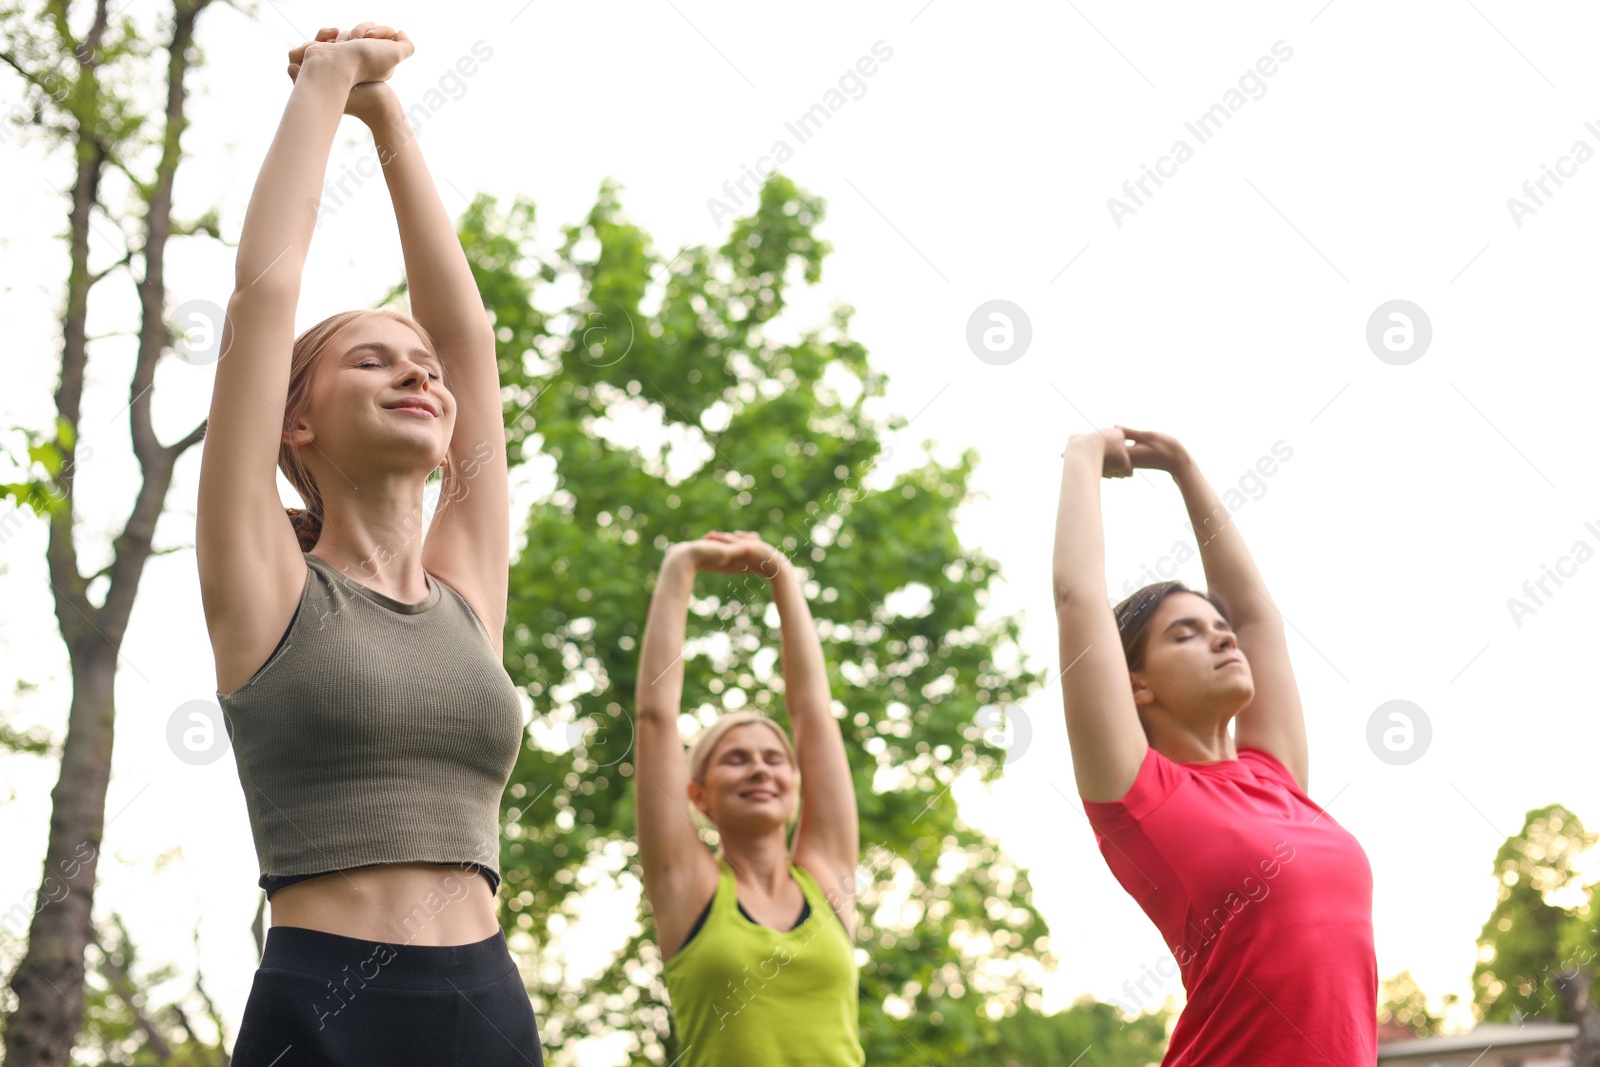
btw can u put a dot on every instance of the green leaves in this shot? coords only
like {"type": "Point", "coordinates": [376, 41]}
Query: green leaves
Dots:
{"type": "Point", "coordinates": [42, 493]}
{"type": "Point", "coordinates": [78, 85]}
{"type": "Point", "coordinates": [1405, 1004]}
{"type": "Point", "coordinates": [1540, 933]}
{"type": "Point", "coordinates": [655, 408]}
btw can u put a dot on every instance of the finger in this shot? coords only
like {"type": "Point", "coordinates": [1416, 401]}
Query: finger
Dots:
{"type": "Point", "coordinates": [327, 33]}
{"type": "Point", "coordinates": [380, 31]}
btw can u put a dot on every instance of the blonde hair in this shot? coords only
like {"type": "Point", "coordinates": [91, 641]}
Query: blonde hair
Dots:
{"type": "Point", "coordinates": [705, 746]}
{"type": "Point", "coordinates": [706, 743]}
{"type": "Point", "coordinates": [303, 362]}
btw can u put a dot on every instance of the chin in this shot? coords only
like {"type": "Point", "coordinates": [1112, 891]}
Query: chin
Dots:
{"type": "Point", "coordinates": [757, 814]}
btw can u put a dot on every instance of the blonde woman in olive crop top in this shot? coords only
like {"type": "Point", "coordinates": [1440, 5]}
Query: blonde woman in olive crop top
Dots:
{"type": "Point", "coordinates": [358, 655]}
{"type": "Point", "coordinates": [758, 938]}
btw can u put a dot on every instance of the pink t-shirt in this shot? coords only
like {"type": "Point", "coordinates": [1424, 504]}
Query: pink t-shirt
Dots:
{"type": "Point", "coordinates": [1265, 903]}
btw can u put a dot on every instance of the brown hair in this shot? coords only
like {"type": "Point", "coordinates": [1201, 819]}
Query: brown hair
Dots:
{"type": "Point", "coordinates": [1135, 614]}
{"type": "Point", "coordinates": [307, 354]}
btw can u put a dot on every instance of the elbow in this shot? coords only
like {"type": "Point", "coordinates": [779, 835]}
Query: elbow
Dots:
{"type": "Point", "coordinates": [268, 294]}
{"type": "Point", "coordinates": [471, 333]}
{"type": "Point", "coordinates": [654, 711]}
{"type": "Point", "coordinates": [1065, 592]}
{"type": "Point", "coordinates": [1078, 581]}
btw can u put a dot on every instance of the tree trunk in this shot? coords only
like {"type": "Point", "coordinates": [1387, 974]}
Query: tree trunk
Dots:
{"type": "Point", "coordinates": [1577, 997]}
{"type": "Point", "coordinates": [48, 983]}
{"type": "Point", "coordinates": [49, 980]}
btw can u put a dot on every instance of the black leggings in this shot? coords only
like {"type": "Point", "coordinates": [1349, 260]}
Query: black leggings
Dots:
{"type": "Point", "coordinates": [328, 1000]}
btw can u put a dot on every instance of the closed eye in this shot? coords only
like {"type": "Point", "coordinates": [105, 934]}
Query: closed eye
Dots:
{"type": "Point", "coordinates": [375, 363]}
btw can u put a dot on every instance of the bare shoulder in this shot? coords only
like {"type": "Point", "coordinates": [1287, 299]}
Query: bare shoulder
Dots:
{"type": "Point", "coordinates": [249, 604]}
{"type": "Point", "coordinates": [676, 900]}
{"type": "Point", "coordinates": [838, 884]}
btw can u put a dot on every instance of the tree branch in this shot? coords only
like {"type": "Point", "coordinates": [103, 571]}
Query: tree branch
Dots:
{"type": "Point", "coordinates": [98, 277]}
{"type": "Point", "coordinates": [155, 335]}
{"type": "Point", "coordinates": [140, 186]}
{"type": "Point", "coordinates": [111, 965]}
{"type": "Point", "coordinates": [211, 1007]}
{"type": "Point", "coordinates": [188, 440]}
{"type": "Point", "coordinates": [10, 60]}
{"type": "Point", "coordinates": [208, 224]}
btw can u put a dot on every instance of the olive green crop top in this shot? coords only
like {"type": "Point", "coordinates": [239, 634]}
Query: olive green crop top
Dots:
{"type": "Point", "coordinates": [377, 732]}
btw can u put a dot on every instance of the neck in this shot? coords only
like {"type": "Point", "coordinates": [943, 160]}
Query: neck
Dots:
{"type": "Point", "coordinates": [761, 859]}
{"type": "Point", "coordinates": [1188, 742]}
{"type": "Point", "coordinates": [375, 535]}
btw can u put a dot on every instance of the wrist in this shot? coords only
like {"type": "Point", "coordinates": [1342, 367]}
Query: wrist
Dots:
{"type": "Point", "coordinates": [320, 64]}
{"type": "Point", "coordinates": [776, 567]}
{"type": "Point", "coordinates": [1183, 466]}
{"type": "Point", "coordinates": [1092, 445]}
{"type": "Point", "coordinates": [387, 120]}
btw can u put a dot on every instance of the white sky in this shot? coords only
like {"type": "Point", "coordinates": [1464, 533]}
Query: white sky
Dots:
{"type": "Point", "coordinates": [1230, 311]}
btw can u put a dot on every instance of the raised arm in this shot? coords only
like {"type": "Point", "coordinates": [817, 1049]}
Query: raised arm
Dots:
{"type": "Point", "coordinates": [828, 840]}
{"type": "Point", "coordinates": [468, 543]}
{"type": "Point", "coordinates": [1273, 720]}
{"type": "Point", "coordinates": [251, 570]}
{"type": "Point", "coordinates": [1108, 744]}
{"type": "Point", "coordinates": [679, 873]}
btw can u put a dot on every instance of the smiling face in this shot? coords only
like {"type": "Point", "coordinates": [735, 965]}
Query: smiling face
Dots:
{"type": "Point", "coordinates": [748, 781]}
{"type": "Point", "coordinates": [1192, 666]}
{"type": "Point", "coordinates": [377, 398]}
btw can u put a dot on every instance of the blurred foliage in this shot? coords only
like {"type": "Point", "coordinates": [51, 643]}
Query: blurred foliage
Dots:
{"type": "Point", "coordinates": [662, 404]}
{"type": "Point", "coordinates": [1088, 1034]}
{"type": "Point", "coordinates": [126, 1025]}
{"type": "Point", "coordinates": [1539, 944]}
{"type": "Point", "coordinates": [1402, 1001]}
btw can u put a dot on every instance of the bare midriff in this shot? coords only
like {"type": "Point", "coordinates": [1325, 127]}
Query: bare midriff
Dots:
{"type": "Point", "coordinates": [397, 903]}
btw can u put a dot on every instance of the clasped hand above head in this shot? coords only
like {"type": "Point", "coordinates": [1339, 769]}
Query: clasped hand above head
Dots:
{"type": "Point", "coordinates": [365, 56]}
{"type": "Point", "coordinates": [739, 552]}
{"type": "Point", "coordinates": [1148, 450]}
{"type": "Point", "coordinates": [366, 52]}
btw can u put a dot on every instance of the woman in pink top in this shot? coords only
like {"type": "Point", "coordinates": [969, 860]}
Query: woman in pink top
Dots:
{"type": "Point", "coordinates": [1263, 899]}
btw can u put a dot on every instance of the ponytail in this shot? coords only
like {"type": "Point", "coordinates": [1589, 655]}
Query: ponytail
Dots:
{"type": "Point", "coordinates": [307, 527]}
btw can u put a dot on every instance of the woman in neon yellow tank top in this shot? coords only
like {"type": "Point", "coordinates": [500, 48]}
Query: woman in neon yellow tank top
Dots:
{"type": "Point", "coordinates": [757, 938]}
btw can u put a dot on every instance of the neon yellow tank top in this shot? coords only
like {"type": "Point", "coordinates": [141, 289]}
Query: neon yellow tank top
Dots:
{"type": "Point", "coordinates": [746, 995]}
